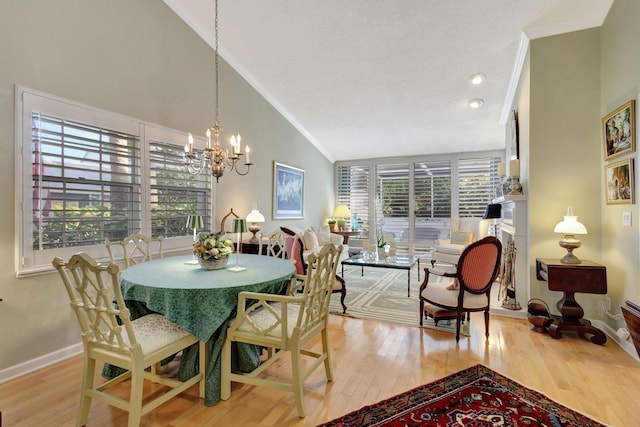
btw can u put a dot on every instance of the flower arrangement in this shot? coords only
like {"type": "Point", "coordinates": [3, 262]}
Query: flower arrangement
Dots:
{"type": "Point", "coordinates": [212, 246]}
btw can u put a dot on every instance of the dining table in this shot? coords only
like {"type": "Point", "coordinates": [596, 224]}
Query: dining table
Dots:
{"type": "Point", "coordinates": [202, 302]}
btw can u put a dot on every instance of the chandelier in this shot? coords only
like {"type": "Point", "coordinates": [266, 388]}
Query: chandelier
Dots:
{"type": "Point", "coordinates": [212, 156]}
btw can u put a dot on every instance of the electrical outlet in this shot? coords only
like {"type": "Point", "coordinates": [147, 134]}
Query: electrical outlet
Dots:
{"type": "Point", "coordinates": [626, 219]}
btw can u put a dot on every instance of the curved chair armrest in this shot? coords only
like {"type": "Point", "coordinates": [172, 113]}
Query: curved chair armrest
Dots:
{"type": "Point", "coordinates": [435, 272]}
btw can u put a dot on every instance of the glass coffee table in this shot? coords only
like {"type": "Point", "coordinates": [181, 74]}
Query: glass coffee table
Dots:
{"type": "Point", "coordinates": [400, 262]}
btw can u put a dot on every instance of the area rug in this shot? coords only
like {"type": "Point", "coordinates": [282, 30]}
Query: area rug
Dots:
{"type": "Point", "coordinates": [381, 294]}
{"type": "Point", "coordinates": [473, 397]}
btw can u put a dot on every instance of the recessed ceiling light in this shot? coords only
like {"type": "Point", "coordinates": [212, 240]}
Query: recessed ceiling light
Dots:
{"type": "Point", "coordinates": [476, 103]}
{"type": "Point", "coordinates": [477, 78]}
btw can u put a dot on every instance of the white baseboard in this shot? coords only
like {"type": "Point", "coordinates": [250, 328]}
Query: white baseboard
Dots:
{"type": "Point", "coordinates": [626, 345]}
{"type": "Point", "coordinates": [40, 362]}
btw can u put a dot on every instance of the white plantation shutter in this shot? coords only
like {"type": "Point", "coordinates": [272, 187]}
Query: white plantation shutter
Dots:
{"type": "Point", "coordinates": [86, 183]}
{"type": "Point", "coordinates": [477, 181]}
{"type": "Point", "coordinates": [175, 194]}
{"type": "Point", "coordinates": [353, 184]}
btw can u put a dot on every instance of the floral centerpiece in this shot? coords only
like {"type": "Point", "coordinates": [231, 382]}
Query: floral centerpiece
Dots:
{"type": "Point", "coordinates": [213, 250]}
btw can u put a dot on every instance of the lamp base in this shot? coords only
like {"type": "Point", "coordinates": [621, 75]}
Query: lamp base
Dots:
{"type": "Point", "coordinates": [570, 258]}
{"type": "Point", "coordinates": [570, 244]}
{"type": "Point", "coordinates": [236, 269]}
{"type": "Point", "coordinates": [192, 262]}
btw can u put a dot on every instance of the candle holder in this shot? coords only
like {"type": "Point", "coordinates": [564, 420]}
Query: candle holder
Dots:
{"type": "Point", "coordinates": [515, 186]}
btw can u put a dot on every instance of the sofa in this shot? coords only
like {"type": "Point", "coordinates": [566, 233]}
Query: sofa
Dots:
{"type": "Point", "coordinates": [314, 237]}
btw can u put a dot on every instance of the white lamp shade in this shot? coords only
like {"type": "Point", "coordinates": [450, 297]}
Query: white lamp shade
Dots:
{"type": "Point", "coordinates": [255, 216]}
{"type": "Point", "coordinates": [570, 224]}
{"type": "Point", "coordinates": [342, 211]}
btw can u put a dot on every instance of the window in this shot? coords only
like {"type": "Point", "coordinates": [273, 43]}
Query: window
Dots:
{"type": "Point", "coordinates": [477, 180]}
{"type": "Point", "coordinates": [175, 194]}
{"type": "Point", "coordinates": [353, 191]}
{"type": "Point", "coordinates": [84, 176]}
{"type": "Point", "coordinates": [415, 198]}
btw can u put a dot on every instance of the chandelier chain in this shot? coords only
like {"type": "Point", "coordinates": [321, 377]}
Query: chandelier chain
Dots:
{"type": "Point", "coordinates": [216, 59]}
{"type": "Point", "coordinates": [214, 157]}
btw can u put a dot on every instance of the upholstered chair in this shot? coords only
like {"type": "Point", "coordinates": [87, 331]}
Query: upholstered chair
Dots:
{"type": "Point", "coordinates": [463, 231]}
{"type": "Point", "coordinates": [466, 289]}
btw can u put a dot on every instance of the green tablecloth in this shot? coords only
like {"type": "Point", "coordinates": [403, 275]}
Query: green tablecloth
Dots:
{"type": "Point", "coordinates": [202, 302]}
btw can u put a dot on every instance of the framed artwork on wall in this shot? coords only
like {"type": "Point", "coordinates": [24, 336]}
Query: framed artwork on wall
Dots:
{"type": "Point", "coordinates": [513, 147]}
{"type": "Point", "coordinates": [619, 131]}
{"type": "Point", "coordinates": [619, 185]}
{"type": "Point", "coordinates": [288, 191]}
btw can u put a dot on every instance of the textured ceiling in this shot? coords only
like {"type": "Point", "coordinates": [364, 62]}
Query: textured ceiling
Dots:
{"type": "Point", "coordinates": [386, 78]}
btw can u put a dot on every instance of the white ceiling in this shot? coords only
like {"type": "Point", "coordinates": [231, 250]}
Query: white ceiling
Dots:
{"type": "Point", "coordinates": [385, 78]}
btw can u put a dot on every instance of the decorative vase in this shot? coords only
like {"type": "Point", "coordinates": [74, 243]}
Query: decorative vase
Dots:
{"type": "Point", "coordinates": [212, 263]}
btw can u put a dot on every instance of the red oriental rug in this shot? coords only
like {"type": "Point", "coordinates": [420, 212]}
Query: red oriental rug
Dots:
{"type": "Point", "coordinates": [473, 397]}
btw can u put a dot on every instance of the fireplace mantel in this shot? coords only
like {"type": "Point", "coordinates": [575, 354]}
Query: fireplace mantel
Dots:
{"type": "Point", "coordinates": [514, 216]}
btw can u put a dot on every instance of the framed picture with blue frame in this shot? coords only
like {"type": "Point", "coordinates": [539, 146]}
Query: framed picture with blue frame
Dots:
{"type": "Point", "coordinates": [288, 191]}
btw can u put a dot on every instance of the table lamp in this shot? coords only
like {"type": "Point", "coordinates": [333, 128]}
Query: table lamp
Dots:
{"type": "Point", "coordinates": [253, 219]}
{"type": "Point", "coordinates": [569, 227]}
{"type": "Point", "coordinates": [194, 222]}
{"type": "Point", "coordinates": [493, 212]}
{"type": "Point", "coordinates": [239, 226]}
{"type": "Point", "coordinates": [341, 212]}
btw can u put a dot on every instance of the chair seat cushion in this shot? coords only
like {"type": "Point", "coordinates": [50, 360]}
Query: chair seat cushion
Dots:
{"type": "Point", "coordinates": [436, 291]}
{"type": "Point", "coordinates": [451, 248]}
{"type": "Point", "coordinates": [155, 331]}
{"type": "Point", "coordinates": [264, 319]}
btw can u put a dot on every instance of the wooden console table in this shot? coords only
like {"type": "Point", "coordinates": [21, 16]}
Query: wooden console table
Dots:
{"type": "Point", "coordinates": [587, 277]}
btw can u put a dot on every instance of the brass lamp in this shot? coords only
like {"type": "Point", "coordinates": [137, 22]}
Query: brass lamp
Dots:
{"type": "Point", "coordinates": [253, 219]}
{"type": "Point", "coordinates": [569, 227]}
{"type": "Point", "coordinates": [341, 212]}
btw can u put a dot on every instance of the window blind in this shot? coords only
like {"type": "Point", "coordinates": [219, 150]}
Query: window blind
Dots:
{"type": "Point", "coordinates": [175, 194]}
{"type": "Point", "coordinates": [477, 181]}
{"type": "Point", "coordinates": [353, 190]}
{"type": "Point", "coordinates": [85, 182]}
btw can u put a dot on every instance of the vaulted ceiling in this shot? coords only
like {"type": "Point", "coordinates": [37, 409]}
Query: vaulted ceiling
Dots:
{"type": "Point", "coordinates": [385, 78]}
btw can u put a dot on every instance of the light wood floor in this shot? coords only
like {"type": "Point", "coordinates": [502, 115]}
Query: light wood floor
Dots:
{"type": "Point", "coordinates": [372, 361]}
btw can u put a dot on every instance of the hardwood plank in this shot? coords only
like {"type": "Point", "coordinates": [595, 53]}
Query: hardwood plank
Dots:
{"type": "Point", "coordinates": [372, 361]}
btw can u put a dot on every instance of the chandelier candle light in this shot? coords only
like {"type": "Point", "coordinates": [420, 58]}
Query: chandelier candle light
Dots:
{"type": "Point", "coordinates": [194, 222]}
{"type": "Point", "coordinates": [212, 156]}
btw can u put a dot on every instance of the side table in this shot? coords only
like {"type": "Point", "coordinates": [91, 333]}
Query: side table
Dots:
{"type": "Point", "coordinates": [346, 235]}
{"type": "Point", "coordinates": [587, 277]}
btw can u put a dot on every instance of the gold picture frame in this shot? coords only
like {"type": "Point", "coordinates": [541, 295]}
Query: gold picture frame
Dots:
{"type": "Point", "coordinates": [619, 131]}
{"type": "Point", "coordinates": [619, 183]}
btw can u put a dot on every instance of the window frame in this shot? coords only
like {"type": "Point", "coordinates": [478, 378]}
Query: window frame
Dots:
{"type": "Point", "coordinates": [31, 261]}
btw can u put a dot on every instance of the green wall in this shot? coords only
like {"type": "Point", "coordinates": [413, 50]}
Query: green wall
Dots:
{"type": "Point", "coordinates": [139, 59]}
{"type": "Point", "coordinates": [620, 82]}
{"type": "Point", "coordinates": [564, 148]}
{"type": "Point", "coordinates": [575, 80]}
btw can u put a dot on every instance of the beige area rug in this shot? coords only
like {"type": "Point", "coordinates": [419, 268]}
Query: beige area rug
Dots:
{"type": "Point", "coordinates": [381, 294]}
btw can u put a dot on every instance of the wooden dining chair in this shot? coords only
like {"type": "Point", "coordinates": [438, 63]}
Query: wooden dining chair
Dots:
{"type": "Point", "coordinates": [275, 244]}
{"type": "Point", "coordinates": [136, 248]}
{"type": "Point", "coordinates": [295, 248]}
{"type": "Point", "coordinates": [467, 288]}
{"type": "Point", "coordinates": [109, 335]}
{"type": "Point", "coordinates": [285, 324]}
